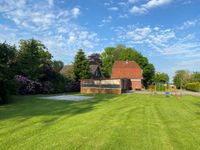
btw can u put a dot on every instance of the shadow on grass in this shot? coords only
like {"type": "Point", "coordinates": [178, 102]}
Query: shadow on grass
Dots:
{"type": "Point", "coordinates": [26, 107]}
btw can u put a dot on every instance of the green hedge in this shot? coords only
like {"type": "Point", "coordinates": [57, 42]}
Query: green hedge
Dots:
{"type": "Point", "coordinates": [160, 87]}
{"type": "Point", "coordinates": [194, 86]}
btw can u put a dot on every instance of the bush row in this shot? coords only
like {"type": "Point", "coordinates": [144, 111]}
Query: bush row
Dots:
{"type": "Point", "coordinates": [194, 86]}
{"type": "Point", "coordinates": [59, 85]}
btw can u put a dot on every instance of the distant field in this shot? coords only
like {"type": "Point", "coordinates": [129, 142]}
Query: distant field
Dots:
{"type": "Point", "coordinates": [127, 121]}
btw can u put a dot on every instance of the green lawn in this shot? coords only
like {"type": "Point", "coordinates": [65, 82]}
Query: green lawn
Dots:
{"type": "Point", "coordinates": [129, 121]}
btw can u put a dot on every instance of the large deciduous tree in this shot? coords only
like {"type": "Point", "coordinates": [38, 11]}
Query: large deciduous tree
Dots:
{"type": "Point", "coordinates": [32, 58]}
{"type": "Point", "coordinates": [195, 77]}
{"type": "Point", "coordinates": [148, 73]}
{"type": "Point", "coordinates": [57, 65]}
{"type": "Point", "coordinates": [108, 57]}
{"type": "Point", "coordinates": [7, 59]}
{"type": "Point", "coordinates": [81, 66]}
{"type": "Point", "coordinates": [181, 78]}
{"type": "Point", "coordinates": [161, 77]}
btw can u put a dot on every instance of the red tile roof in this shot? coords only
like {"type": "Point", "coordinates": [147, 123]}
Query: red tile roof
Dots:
{"type": "Point", "coordinates": [126, 69]}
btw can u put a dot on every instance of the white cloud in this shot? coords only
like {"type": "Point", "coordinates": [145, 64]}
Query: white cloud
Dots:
{"type": "Point", "coordinates": [139, 33]}
{"type": "Point", "coordinates": [155, 3]}
{"type": "Point", "coordinates": [189, 24]}
{"type": "Point", "coordinates": [113, 8]}
{"type": "Point", "coordinates": [105, 20]}
{"type": "Point", "coordinates": [123, 16]}
{"type": "Point", "coordinates": [154, 37]}
{"type": "Point", "coordinates": [144, 8]}
{"type": "Point", "coordinates": [165, 41]}
{"type": "Point", "coordinates": [122, 4]}
{"type": "Point", "coordinates": [54, 26]}
{"type": "Point", "coordinates": [186, 46]}
{"type": "Point", "coordinates": [138, 10]}
{"type": "Point", "coordinates": [75, 12]}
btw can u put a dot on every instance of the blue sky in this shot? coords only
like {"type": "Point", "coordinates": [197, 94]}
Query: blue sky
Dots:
{"type": "Point", "coordinates": [165, 31]}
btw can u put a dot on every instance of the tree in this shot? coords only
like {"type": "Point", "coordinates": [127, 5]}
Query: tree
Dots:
{"type": "Point", "coordinates": [32, 57]}
{"type": "Point", "coordinates": [7, 58]}
{"type": "Point", "coordinates": [108, 57]}
{"type": "Point", "coordinates": [94, 59]}
{"type": "Point", "coordinates": [81, 66]}
{"type": "Point", "coordinates": [68, 72]}
{"type": "Point", "coordinates": [148, 73]}
{"type": "Point", "coordinates": [181, 78]}
{"type": "Point", "coordinates": [57, 65]}
{"type": "Point", "coordinates": [161, 77]}
{"type": "Point", "coordinates": [195, 77]}
{"type": "Point", "coordinates": [132, 54]}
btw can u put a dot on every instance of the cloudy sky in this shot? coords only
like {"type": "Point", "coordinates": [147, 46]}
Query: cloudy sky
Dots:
{"type": "Point", "coordinates": [165, 31]}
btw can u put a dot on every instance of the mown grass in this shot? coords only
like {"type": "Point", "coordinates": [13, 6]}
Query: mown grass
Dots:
{"type": "Point", "coordinates": [128, 121]}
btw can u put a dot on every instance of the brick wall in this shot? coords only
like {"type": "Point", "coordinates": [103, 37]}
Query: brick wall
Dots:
{"type": "Point", "coordinates": [136, 84]}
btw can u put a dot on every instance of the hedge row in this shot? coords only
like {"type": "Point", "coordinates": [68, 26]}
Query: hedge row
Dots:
{"type": "Point", "coordinates": [194, 86]}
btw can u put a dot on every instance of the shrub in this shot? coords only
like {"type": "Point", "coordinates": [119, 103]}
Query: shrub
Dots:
{"type": "Point", "coordinates": [160, 87]}
{"type": "Point", "coordinates": [47, 87]}
{"type": "Point", "coordinates": [27, 86]}
{"type": "Point", "coordinates": [194, 86]}
{"type": "Point", "coordinates": [59, 83]}
{"type": "Point", "coordinates": [3, 93]}
{"type": "Point", "coordinates": [72, 86]}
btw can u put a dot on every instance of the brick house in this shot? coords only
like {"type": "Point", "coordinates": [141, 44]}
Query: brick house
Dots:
{"type": "Point", "coordinates": [130, 70]}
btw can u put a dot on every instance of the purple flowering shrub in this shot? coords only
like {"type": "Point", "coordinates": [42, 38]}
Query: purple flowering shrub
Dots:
{"type": "Point", "coordinates": [27, 86]}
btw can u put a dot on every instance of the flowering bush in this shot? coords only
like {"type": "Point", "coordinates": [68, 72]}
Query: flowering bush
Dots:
{"type": "Point", "coordinates": [27, 86]}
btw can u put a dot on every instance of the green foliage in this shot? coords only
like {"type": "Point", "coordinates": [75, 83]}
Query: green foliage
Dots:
{"type": "Point", "coordinates": [108, 58]}
{"type": "Point", "coordinates": [32, 57]}
{"type": "Point", "coordinates": [195, 77]}
{"type": "Point", "coordinates": [161, 77]}
{"type": "Point", "coordinates": [128, 54]}
{"type": "Point", "coordinates": [160, 87]}
{"type": "Point", "coordinates": [181, 78]}
{"type": "Point", "coordinates": [59, 83]}
{"type": "Point", "coordinates": [7, 59]}
{"type": "Point", "coordinates": [148, 73]}
{"type": "Point", "coordinates": [81, 66]}
{"type": "Point", "coordinates": [194, 86]}
{"type": "Point", "coordinates": [57, 65]}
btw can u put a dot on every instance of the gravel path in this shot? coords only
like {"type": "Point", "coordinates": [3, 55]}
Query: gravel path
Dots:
{"type": "Point", "coordinates": [67, 97]}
